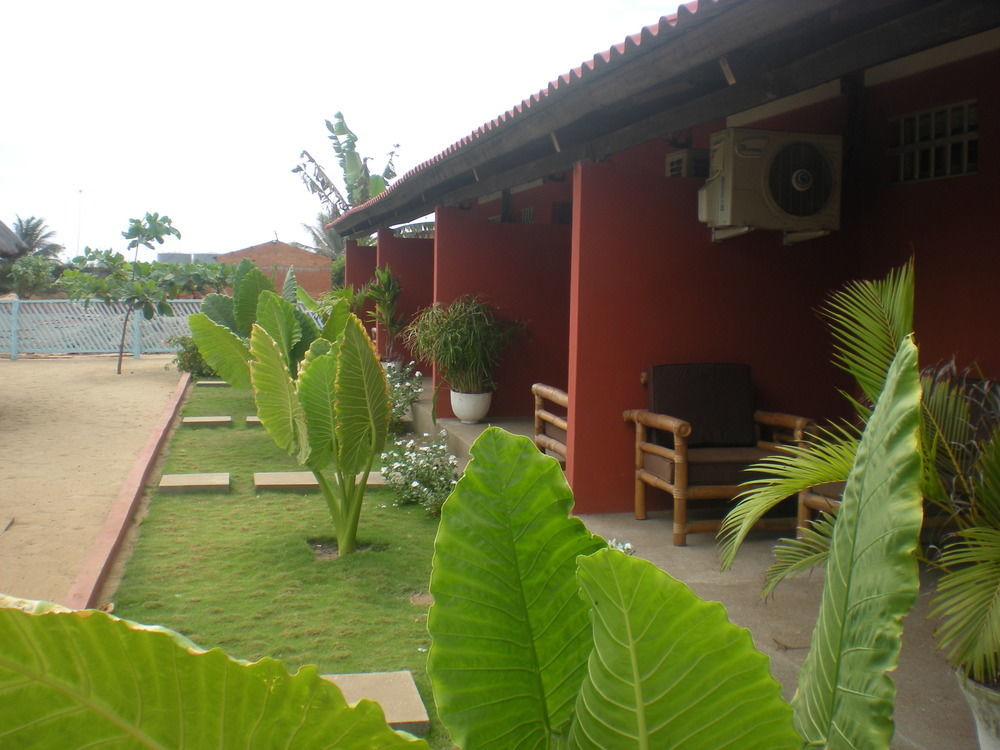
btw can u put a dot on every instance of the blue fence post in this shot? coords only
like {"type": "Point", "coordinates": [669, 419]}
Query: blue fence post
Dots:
{"type": "Point", "coordinates": [15, 310]}
{"type": "Point", "coordinates": [137, 334]}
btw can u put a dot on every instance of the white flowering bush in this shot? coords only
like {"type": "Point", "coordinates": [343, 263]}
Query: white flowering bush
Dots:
{"type": "Point", "coordinates": [405, 386]}
{"type": "Point", "coordinates": [420, 470]}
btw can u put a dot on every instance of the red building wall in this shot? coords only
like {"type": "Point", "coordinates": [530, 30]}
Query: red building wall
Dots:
{"type": "Point", "coordinates": [650, 288]}
{"type": "Point", "coordinates": [749, 299]}
{"type": "Point", "coordinates": [948, 225]}
{"type": "Point", "coordinates": [359, 264]}
{"type": "Point", "coordinates": [523, 270]}
{"type": "Point", "coordinates": [412, 262]}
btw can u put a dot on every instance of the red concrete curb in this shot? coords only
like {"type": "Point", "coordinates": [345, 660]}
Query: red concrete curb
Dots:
{"type": "Point", "coordinates": [87, 586]}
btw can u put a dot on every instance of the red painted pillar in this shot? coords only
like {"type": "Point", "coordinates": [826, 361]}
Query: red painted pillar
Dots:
{"type": "Point", "coordinates": [359, 264]}
{"type": "Point", "coordinates": [412, 263]}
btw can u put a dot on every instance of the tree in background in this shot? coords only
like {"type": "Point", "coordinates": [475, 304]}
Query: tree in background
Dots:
{"type": "Point", "coordinates": [30, 267]}
{"type": "Point", "coordinates": [31, 275]}
{"type": "Point", "coordinates": [360, 186]}
{"type": "Point", "coordinates": [37, 237]}
{"type": "Point", "coordinates": [110, 278]}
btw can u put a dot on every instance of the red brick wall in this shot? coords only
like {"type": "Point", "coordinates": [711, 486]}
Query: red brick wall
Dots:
{"type": "Point", "coordinates": [312, 271]}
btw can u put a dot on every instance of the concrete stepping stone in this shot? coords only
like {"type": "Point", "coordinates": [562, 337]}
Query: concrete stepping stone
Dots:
{"type": "Point", "coordinates": [395, 691]}
{"type": "Point", "coordinates": [195, 482]}
{"type": "Point", "coordinates": [299, 481]}
{"type": "Point", "coordinates": [287, 481]}
{"type": "Point", "coordinates": [210, 383]}
{"type": "Point", "coordinates": [218, 421]}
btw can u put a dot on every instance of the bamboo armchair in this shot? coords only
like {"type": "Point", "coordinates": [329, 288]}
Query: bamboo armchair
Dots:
{"type": "Point", "coordinates": [687, 456]}
{"type": "Point", "coordinates": [550, 428]}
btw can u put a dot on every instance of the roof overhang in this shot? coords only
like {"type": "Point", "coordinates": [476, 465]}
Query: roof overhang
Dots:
{"type": "Point", "coordinates": [10, 244]}
{"type": "Point", "coordinates": [727, 57]}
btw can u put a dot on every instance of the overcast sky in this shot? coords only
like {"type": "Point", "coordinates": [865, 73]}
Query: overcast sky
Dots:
{"type": "Point", "coordinates": [199, 110]}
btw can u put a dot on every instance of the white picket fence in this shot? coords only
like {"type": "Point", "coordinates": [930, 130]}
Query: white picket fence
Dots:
{"type": "Point", "coordinates": [70, 327]}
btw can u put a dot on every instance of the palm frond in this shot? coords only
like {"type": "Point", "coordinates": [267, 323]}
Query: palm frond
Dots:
{"type": "Point", "coordinates": [968, 598]}
{"type": "Point", "coordinates": [868, 320]}
{"type": "Point", "coordinates": [794, 556]}
{"type": "Point", "coordinates": [945, 433]}
{"type": "Point", "coordinates": [825, 458]}
{"type": "Point", "coordinates": [986, 488]}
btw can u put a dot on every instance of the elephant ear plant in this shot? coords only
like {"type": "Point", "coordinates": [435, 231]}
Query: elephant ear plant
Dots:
{"type": "Point", "coordinates": [542, 637]}
{"type": "Point", "coordinates": [320, 394]}
{"type": "Point", "coordinates": [94, 680]}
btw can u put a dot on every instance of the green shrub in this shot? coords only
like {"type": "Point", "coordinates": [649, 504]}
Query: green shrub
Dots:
{"type": "Point", "coordinates": [420, 470]}
{"type": "Point", "coordinates": [406, 383]}
{"type": "Point", "coordinates": [187, 358]}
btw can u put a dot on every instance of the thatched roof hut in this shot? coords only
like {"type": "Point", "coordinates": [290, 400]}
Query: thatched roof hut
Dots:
{"type": "Point", "coordinates": [10, 244]}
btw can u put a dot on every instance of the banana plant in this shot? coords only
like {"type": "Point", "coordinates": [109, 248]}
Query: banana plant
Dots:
{"type": "Point", "coordinates": [543, 637]}
{"type": "Point", "coordinates": [92, 679]}
{"type": "Point", "coordinates": [320, 394]}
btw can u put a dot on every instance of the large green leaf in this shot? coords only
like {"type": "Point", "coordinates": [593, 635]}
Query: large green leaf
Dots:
{"type": "Point", "coordinates": [333, 329]}
{"type": "Point", "coordinates": [316, 394]}
{"type": "Point", "coordinates": [245, 294]}
{"type": "Point", "coordinates": [362, 401]}
{"type": "Point", "coordinates": [845, 697]}
{"type": "Point", "coordinates": [669, 670]}
{"type": "Point", "coordinates": [305, 300]}
{"type": "Point", "coordinates": [289, 290]}
{"type": "Point", "coordinates": [277, 316]}
{"type": "Point", "coordinates": [510, 634]}
{"type": "Point", "coordinates": [87, 679]}
{"type": "Point", "coordinates": [224, 351]}
{"type": "Point", "coordinates": [310, 332]}
{"type": "Point", "coordinates": [219, 307]}
{"type": "Point", "coordinates": [277, 402]}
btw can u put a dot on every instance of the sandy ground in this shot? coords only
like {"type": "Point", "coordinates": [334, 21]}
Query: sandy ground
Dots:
{"type": "Point", "coordinates": [71, 430]}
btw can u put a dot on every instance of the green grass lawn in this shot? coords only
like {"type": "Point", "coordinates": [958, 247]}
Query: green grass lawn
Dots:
{"type": "Point", "coordinates": [235, 570]}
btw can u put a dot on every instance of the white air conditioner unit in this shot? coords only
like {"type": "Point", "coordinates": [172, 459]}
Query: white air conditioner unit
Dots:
{"type": "Point", "coordinates": [768, 179]}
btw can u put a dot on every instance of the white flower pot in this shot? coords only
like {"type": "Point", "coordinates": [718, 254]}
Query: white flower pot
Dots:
{"type": "Point", "coordinates": [984, 702]}
{"type": "Point", "coordinates": [470, 408]}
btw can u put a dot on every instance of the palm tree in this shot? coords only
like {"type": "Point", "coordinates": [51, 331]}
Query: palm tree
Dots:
{"type": "Point", "coordinates": [325, 241]}
{"type": "Point", "coordinates": [36, 237]}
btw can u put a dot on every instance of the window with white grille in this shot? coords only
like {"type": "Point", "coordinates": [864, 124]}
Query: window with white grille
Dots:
{"type": "Point", "coordinates": [936, 143]}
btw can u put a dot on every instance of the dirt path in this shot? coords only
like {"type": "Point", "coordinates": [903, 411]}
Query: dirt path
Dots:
{"type": "Point", "coordinates": [71, 430]}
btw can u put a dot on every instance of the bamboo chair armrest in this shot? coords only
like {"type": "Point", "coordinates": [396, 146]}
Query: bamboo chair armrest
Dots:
{"type": "Point", "coordinates": [678, 427]}
{"type": "Point", "coordinates": [778, 419]}
{"type": "Point", "coordinates": [553, 419]}
{"type": "Point", "coordinates": [551, 393]}
{"type": "Point", "coordinates": [798, 425]}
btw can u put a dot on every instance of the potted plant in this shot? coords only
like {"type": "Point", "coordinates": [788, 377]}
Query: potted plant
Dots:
{"type": "Point", "coordinates": [463, 340]}
{"type": "Point", "coordinates": [966, 455]}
